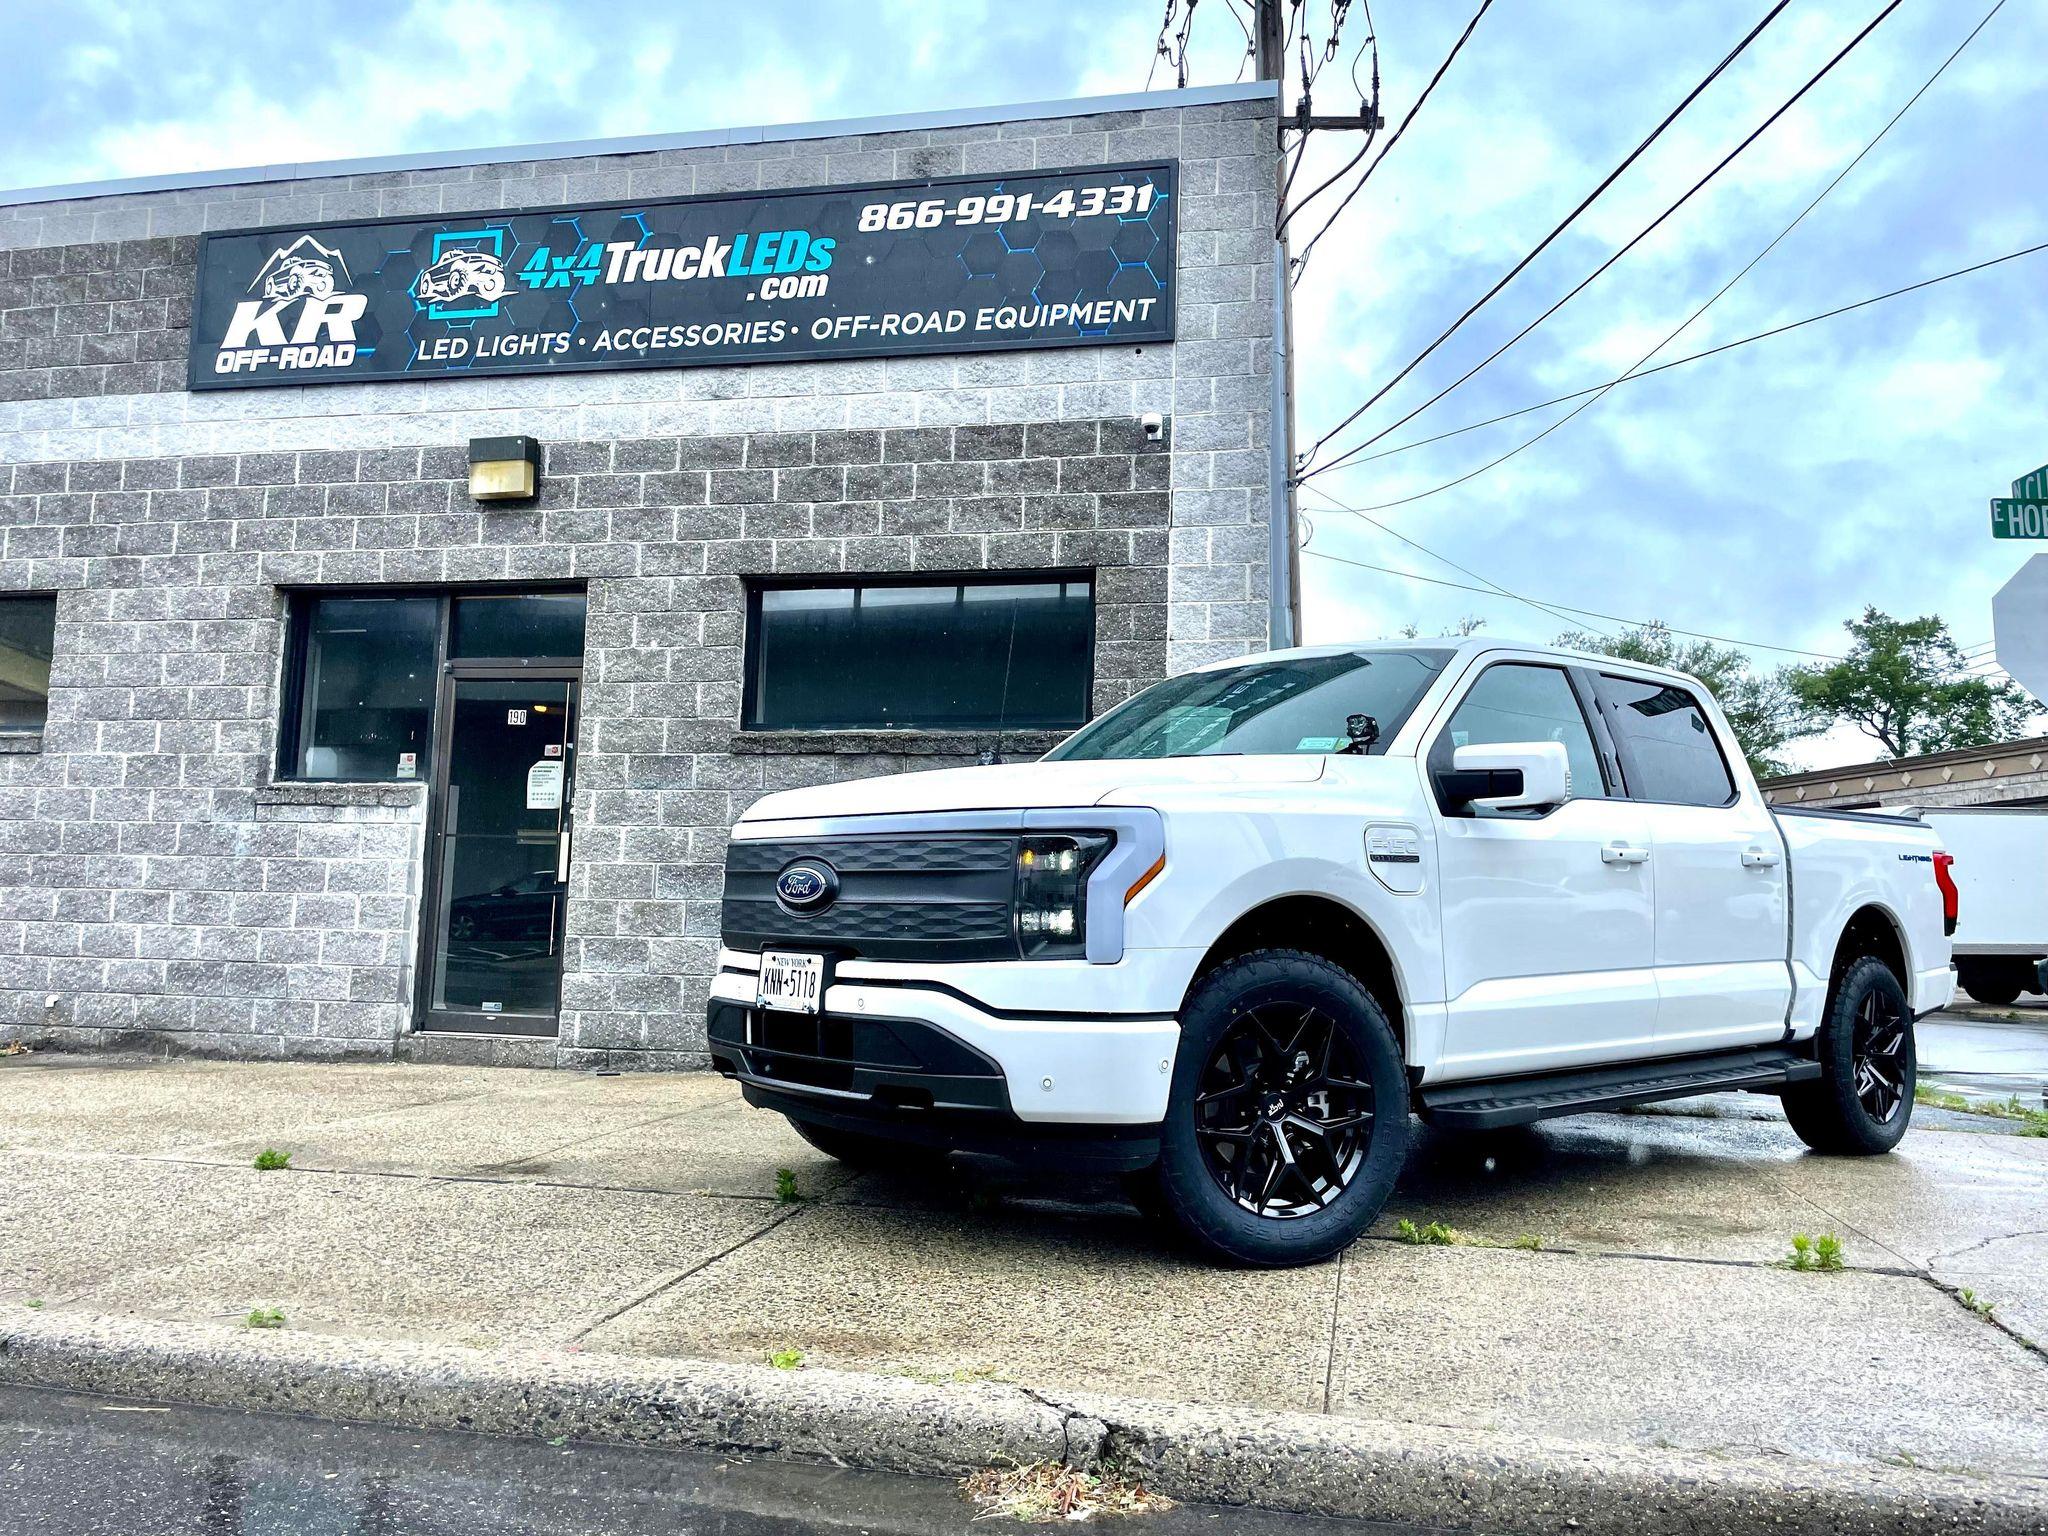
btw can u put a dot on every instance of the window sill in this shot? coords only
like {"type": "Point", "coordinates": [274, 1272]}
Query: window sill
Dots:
{"type": "Point", "coordinates": [20, 743]}
{"type": "Point", "coordinates": [1014, 746]}
{"type": "Point", "coordinates": [340, 792]}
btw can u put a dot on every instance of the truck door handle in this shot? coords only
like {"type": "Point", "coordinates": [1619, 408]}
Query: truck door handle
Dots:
{"type": "Point", "coordinates": [1758, 858]}
{"type": "Point", "coordinates": [1621, 853]}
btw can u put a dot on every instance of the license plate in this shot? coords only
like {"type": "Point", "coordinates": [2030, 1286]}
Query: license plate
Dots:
{"type": "Point", "coordinates": [791, 983]}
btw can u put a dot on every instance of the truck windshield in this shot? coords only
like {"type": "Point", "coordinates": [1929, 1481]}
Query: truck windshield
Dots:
{"type": "Point", "coordinates": [1301, 704]}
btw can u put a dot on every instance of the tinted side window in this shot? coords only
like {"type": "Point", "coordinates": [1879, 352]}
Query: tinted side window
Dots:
{"type": "Point", "coordinates": [1515, 701]}
{"type": "Point", "coordinates": [1668, 749]}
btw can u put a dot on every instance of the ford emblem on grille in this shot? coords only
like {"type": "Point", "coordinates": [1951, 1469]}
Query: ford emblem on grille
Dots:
{"type": "Point", "coordinates": [808, 886]}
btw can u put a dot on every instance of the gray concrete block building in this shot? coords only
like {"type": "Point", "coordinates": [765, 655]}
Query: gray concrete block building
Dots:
{"type": "Point", "coordinates": [311, 746]}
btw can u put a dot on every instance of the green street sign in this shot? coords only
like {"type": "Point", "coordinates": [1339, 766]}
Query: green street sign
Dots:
{"type": "Point", "coordinates": [2014, 517]}
{"type": "Point", "coordinates": [2024, 514]}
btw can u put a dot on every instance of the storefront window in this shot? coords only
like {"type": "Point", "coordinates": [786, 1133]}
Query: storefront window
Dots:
{"type": "Point", "coordinates": [367, 687]}
{"type": "Point", "coordinates": [959, 655]}
{"type": "Point", "coordinates": [28, 631]}
{"type": "Point", "coordinates": [521, 624]}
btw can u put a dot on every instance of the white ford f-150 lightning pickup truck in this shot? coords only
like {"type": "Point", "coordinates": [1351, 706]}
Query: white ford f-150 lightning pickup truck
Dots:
{"type": "Point", "coordinates": [1226, 939]}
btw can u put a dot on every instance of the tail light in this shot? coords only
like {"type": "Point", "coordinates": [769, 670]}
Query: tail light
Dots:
{"type": "Point", "coordinates": [1951, 898]}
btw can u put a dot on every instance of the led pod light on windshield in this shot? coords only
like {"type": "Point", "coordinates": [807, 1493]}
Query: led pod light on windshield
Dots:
{"type": "Point", "coordinates": [1051, 903]}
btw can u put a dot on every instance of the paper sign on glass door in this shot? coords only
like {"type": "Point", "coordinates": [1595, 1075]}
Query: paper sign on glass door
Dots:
{"type": "Point", "coordinates": [544, 787]}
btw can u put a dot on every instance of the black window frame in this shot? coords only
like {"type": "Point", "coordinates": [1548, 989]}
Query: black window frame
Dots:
{"type": "Point", "coordinates": [757, 586]}
{"type": "Point", "coordinates": [299, 604]}
{"type": "Point", "coordinates": [24, 733]}
{"type": "Point", "coordinates": [1624, 750]}
{"type": "Point", "coordinates": [1437, 756]}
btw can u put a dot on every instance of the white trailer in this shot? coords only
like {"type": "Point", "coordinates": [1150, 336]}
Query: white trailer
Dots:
{"type": "Point", "coordinates": [2001, 868]}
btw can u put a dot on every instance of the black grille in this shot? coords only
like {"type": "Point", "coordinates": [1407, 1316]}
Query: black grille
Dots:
{"type": "Point", "coordinates": [905, 1063]}
{"type": "Point", "coordinates": [900, 898]}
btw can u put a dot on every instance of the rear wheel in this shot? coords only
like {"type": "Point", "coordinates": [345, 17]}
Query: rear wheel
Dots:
{"type": "Point", "coordinates": [1995, 984]}
{"type": "Point", "coordinates": [1863, 1100]}
{"type": "Point", "coordinates": [1287, 1123]}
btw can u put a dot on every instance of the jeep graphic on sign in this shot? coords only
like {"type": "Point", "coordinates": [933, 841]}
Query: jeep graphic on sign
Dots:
{"type": "Point", "coordinates": [299, 277]}
{"type": "Point", "coordinates": [459, 274]}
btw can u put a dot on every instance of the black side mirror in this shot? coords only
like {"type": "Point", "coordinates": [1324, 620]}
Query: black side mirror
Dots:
{"type": "Point", "coordinates": [1459, 787]}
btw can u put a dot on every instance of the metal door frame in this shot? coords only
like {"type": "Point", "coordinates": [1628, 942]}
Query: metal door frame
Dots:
{"type": "Point", "coordinates": [426, 1017]}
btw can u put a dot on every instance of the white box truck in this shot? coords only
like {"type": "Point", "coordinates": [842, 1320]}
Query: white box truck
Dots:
{"type": "Point", "coordinates": [2001, 868]}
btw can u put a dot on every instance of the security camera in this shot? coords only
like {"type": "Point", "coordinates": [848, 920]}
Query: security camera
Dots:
{"type": "Point", "coordinates": [1154, 425]}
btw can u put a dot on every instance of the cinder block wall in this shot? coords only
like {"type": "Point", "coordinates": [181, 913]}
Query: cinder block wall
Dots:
{"type": "Point", "coordinates": [155, 880]}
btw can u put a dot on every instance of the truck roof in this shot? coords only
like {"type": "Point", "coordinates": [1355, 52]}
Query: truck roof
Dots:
{"type": "Point", "coordinates": [1461, 648]}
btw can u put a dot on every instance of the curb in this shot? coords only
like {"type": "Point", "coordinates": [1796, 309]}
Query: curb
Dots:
{"type": "Point", "coordinates": [1306, 1463]}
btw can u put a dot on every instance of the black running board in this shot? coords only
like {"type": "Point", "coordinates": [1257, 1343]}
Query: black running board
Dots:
{"type": "Point", "coordinates": [1485, 1106]}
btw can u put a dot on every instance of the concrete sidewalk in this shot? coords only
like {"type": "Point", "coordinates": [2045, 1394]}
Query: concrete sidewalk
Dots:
{"type": "Point", "coordinates": [538, 1221]}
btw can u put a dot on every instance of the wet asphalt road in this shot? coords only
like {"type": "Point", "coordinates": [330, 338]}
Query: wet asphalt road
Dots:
{"type": "Point", "coordinates": [82, 1466]}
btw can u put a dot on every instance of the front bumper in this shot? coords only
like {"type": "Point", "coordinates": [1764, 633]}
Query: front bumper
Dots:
{"type": "Point", "coordinates": [910, 1045]}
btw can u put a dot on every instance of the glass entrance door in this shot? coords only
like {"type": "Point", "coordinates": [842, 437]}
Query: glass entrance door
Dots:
{"type": "Point", "coordinates": [502, 840]}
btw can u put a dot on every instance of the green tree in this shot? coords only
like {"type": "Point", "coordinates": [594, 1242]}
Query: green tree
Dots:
{"type": "Point", "coordinates": [1760, 707]}
{"type": "Point", "coordinates": [1904, 685]}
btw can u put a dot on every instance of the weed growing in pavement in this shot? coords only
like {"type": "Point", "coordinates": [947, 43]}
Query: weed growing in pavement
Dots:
{"type": "Point", "coordinates": [1823, 1253]}
{"type": "Point", "coordinates": [787, 1359]}
{"type": "Point", "coordinates": [786, 1192]}
{"type": "Point", "coordinates": [34, 1306]}
{"type": "Point", "coordinates": [1436, 1234]}
{"type": "Point", "coordinates": [2031, 1121]}
{"type": "Point", "coordinates": [269, 1160]}
{"type": "Point", "coordinates": [264, 1317]}
{"type": "Point", "coordinates": [1529, 1242]}
{"type": "Point", "coordinates": [1976, 1303]}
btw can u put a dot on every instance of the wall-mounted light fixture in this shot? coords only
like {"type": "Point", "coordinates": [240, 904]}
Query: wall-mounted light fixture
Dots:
{"type": "Point", "coordinates": [504, 468]}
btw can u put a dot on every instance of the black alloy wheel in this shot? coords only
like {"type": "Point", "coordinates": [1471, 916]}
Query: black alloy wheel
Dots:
{"type": "Point", "coordinates": [1879, 1055]}
{"type": "Point", "coordinates": [1283, 1113]}
{"type": "Point", "coordinates": [1862, 1102]}
{"type": "Point", "coordinates": [1288, 1117]}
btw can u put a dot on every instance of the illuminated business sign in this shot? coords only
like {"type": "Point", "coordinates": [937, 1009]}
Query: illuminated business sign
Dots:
{"type": "Point", "coordinates": [1046, 259]}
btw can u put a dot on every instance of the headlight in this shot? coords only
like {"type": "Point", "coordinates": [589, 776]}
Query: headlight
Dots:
{"type": "Point", "coordinates": [1051, 902]}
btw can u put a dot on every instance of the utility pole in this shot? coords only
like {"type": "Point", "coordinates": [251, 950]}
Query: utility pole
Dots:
{"type": "Point", "coordinates": [1283, 573]}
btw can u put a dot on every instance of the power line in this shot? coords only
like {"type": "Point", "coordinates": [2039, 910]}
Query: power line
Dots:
{"type": "Point", "coordinates": [1588, 280]}
{"type": "Point", "coordinates": [1369, 120]}
{"type": "Point", "coordinates": [1750, 265]}
{"type": "Point", "coordinates": [1677, 362]}
{"type": "Point", "coordinates": [1302, 260]}
{"type": "Point", "coordinates": [1395, 533]}
{"type": "Point", "coordinates": [1544, 244]}
{"type": "Point", "coordinates": [1697, 634]}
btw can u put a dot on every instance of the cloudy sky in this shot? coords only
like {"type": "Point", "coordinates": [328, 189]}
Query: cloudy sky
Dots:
{"type": "Point", "coordinates": [1764, 495]}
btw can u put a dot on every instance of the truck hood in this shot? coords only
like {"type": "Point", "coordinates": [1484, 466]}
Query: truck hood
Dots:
{"type": "Point", "coordinates": [1030, 786]}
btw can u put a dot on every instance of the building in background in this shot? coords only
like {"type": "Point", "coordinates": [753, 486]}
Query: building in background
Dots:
{"type": "Point", "coordinates": [858, 447]}
{"type": "Point", "coordinates": [2009, 773]}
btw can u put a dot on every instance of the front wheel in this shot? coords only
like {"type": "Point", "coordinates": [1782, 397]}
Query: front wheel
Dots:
{"type": "Point", "coordinates": [1862, 1102]}
{"type": "Point", "coordinates": [1287, 1123]}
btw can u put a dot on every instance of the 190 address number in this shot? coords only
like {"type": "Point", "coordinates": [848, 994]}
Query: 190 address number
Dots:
{"type": "Point", "coordinates": [1002, 207]}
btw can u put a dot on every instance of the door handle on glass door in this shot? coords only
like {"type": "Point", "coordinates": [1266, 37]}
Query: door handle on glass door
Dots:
{"type": "Point", "coordinates": [1622, 853]}
{"type": "Point", "coordinates": [1758, 858]}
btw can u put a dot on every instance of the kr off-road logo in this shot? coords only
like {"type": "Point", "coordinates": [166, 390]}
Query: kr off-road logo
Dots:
{"type": "Point", "coordinates": [300, 314]}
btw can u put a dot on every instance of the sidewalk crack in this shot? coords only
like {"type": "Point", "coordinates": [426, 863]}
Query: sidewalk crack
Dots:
{"type": "Point", "coordinates": [1336, 1322]}
{"type": "Point", "coordinates": [668, 1282]}
{"type": "Point", "coordinates": [1094, 1435]}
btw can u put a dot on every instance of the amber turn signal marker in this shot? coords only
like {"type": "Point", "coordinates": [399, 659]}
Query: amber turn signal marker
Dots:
{"type": "Point", "coordinates": [1145, 879]}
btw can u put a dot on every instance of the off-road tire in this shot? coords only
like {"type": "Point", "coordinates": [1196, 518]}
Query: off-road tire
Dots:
{"type": "Point", "coordinates": [1230, 1006]}
{"type": "Point", "coordinates": [1832, 1113]}
{"type": "Point", "coordinates": [866, 1152]}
